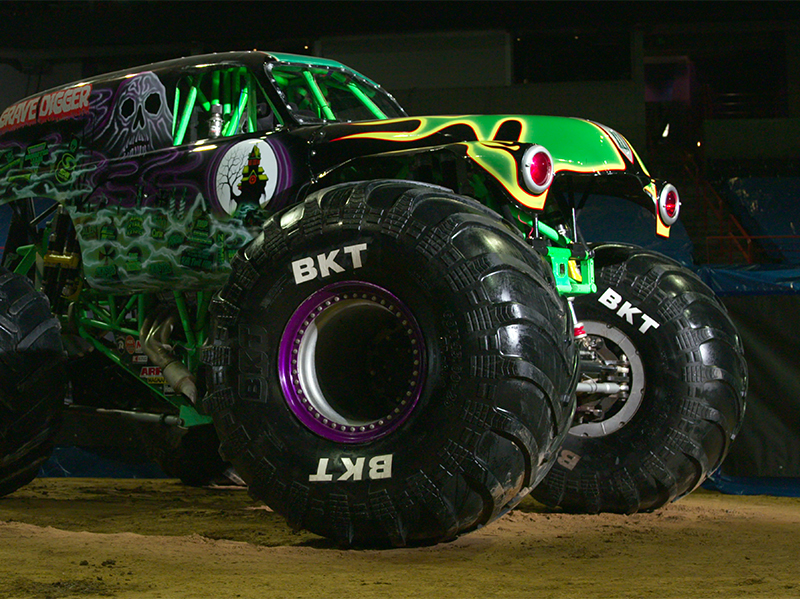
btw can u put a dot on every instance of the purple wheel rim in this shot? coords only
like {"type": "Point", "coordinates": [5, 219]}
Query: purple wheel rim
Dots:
{"type": "Point", "coordinates": [300, 365]}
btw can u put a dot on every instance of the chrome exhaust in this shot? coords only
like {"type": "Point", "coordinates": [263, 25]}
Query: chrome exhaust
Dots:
{"type": "Point", "coordinates": [154, 338]}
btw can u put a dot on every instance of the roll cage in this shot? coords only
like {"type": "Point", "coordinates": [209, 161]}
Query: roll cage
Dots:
{"type": "Point", "coordinates": [300, 94]}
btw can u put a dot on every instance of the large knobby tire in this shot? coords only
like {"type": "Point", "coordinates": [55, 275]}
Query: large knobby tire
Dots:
{"type": "Point", "coordinates": [684, 364]}
{"type": "Point", "coordinates": [31, 381]}
{"type": "Point", "coordinates": [391, 365]}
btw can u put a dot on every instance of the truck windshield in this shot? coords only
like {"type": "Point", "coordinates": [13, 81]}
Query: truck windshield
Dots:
{"type": "Point", "coordinates": [328, 94]}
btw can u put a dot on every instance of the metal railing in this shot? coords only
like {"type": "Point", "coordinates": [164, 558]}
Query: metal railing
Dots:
{"type": "Point", "coordinates": [731, 241]}
{"type": "Point", "coordinates": [739, 240]}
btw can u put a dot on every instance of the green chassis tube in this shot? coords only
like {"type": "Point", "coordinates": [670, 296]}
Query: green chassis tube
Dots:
{"type": "Point", "coordinates": [107, 316]}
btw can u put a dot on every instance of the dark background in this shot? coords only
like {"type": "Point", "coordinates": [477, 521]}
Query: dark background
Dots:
{"type": "Point", "coordinates": [150, 29]}
{"type": "Point", "coordinates": [227, 25]}
{"type": "Point", "coordinates": [217, 25]}
{"type": "Point", "coordinates": [697, 60]}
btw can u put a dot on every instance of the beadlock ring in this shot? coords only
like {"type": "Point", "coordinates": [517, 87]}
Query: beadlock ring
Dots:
{"type": "Point", "coordinates": [300, 366]}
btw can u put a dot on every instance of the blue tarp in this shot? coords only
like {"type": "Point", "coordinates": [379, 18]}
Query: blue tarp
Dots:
{"type": "Point", "coordinates": [70, 461]}
{"type": "Point", "coordinates": [754, 486]}
{"type": "Point", "coordinates": [5, 221]}
{"type": "Point", "coordinates": [752, 280]}
{"type": "Point", "coordinates": [609, 219]}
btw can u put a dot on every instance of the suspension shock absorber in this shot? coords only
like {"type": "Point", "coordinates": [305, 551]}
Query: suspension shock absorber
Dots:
{"type": "Point", "coordinates": [61, 261]}
{"type": "Point", "coordinates": [578, 329]}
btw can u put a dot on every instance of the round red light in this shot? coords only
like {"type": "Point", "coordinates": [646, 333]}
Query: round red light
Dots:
{"type": "Point", "coordinates": [536, 169]}
{"type": "Point", "coordinates": [540, 168]}
{"type": "Point", "coordinates": [671, 204]}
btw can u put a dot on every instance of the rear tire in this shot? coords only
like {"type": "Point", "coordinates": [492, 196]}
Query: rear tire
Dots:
{"type": "Point", "coordinates": [391, 365]}
{"type": "Point", "coordinates": [191, 455]}
{"type": "Point", "coordinates": [31, 381]}
{"type": "Point", "coordinates": [684, 363]}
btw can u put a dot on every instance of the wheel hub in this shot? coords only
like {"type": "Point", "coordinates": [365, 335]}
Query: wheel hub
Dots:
{"type": "Point", "coordinates": [351, 362]}
{"type": "Point", "coordinates": [613, 381]}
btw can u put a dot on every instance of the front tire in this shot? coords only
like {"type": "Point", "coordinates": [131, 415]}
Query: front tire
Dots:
{"type": "Point", "coordinates": [391, 365]}
{"type": "Point", "coordinates": [31, 381]}
{"type": "Point", "coordinates": [656, 328]}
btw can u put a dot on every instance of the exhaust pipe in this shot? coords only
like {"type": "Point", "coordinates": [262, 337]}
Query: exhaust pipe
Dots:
{"type": "Point", "coordinates": [154, 338]}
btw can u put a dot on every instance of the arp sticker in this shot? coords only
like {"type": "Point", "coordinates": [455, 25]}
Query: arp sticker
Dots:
{"type": "Point", "coordinates": [246, 176]}
{"type": "Point", "coordinates": [152, 375]}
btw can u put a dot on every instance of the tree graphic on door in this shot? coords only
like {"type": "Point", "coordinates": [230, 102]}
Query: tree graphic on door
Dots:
{"type": "Point", "coordinates": [253, 182]}
{"type": "Point", "coordinates": [246, 177]}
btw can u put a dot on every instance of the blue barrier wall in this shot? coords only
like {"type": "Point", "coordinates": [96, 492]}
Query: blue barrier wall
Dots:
{"type": "Point", "coordinates": [764, 304]}
{"type": "Point", "coordinates": [608, 219]}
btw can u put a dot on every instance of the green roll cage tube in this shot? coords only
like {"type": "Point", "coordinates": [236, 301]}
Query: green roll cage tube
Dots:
{"type": "Point", "coordinates": [93, 315]}
{"type": "Point", "coordinates": [237, 93]}
{"type": "Point", "coordinates": [572, 264]}
{"type": "Point", "coordinates": [231, 89]}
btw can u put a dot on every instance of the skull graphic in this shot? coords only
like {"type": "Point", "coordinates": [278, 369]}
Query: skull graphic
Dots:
{"type": "Point", "coordinates": [141, 120]}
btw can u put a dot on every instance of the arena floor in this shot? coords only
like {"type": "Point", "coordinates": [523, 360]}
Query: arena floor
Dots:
{"type": "Point", "coordinates": [143, 538]}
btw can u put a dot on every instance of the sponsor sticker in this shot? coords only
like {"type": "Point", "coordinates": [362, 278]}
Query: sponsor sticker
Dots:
{"type": "Point", "coordinates": [325, 264]}
{"type": "Point", "coordinates": [152, 375]}
{"type": "Point", "coordinates": [357, 468]}
{"type": "Point", "coordinates": [614, 301]}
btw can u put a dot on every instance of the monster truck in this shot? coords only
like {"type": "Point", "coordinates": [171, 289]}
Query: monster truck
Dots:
{"type": "Point", "coordinates": [391, 323]}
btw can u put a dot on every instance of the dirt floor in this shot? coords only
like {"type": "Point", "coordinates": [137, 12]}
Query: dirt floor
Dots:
{"type": "Point", "coordinates": [142, 538]}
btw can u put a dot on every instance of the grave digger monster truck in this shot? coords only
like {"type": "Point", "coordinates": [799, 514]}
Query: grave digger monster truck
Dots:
{"type": "Point", "coordinates": [391, 321]}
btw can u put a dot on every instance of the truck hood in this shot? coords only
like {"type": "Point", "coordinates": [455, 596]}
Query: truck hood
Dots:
{"type": "Point", "coordinates": [576, 145]}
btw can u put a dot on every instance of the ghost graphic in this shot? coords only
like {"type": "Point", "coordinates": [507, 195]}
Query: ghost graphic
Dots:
{"type": "Point", "coordinates": [141, 120]}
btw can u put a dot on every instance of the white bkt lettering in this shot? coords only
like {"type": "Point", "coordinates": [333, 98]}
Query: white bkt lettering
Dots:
{"type": "Point", "coordinates": [322, 265]}
{"type": "Point", "coordinates": [379, 467]}
{"type": "Point", "coordinates": [613, 300]}
{"type": "Point", "coordinates": [568, 459]}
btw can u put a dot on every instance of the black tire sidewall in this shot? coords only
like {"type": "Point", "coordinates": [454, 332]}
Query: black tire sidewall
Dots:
{"type": "Point", "coordinates": [392, 267]}
{"type": "Point", "coordinates": [683, 425]}
{"type": "Point", "coordinates": [662, 379]}
{"type": "Point", "coordinates": [32, 378]}
{"type": "Point", "coordinates": [498, 367]}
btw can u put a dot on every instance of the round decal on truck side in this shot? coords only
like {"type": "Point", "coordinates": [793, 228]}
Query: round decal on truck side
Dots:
{"type": "Point", "coordinates": [246, 176]}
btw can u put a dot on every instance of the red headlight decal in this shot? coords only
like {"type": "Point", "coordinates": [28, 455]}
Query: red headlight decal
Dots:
{"type": "Point", "coordinates": [537, 169]}
{"type": "Point", "coordinates": [669, 204]}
